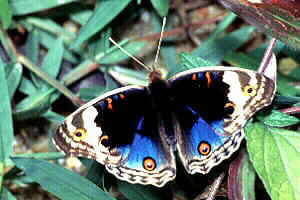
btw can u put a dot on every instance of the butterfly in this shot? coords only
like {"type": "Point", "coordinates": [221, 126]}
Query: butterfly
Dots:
{"type": "Point", "coordinates": [134, 131]}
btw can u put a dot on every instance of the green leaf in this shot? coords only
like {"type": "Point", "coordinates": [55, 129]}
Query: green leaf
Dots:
{"type": "Point", "coordinates": [27, 87]}
{"type": "Point", "coordinates": [81, 16]}
{"type": "Point", "coordinates": [161, 6]}
{"type": "Point", "coordinates": [6, 124]}
{"type": "Point", "coordinates": [285, 87]}
{"type": "Point", "coordinates": [44, 156]}
{"type": "Point", "coordinates": [47, 39]}
{"type": "Point", "coordinates": [87, 94]}
{"type": "Point", "coordinates": [1, 174]}
{"type": "Point", "coordinates": [14, 78]}
{"type": "Point", "coordinates": [32, 46]}
{"type": "Point", "coordinates": [110, 84]}
{"type": "Point", "coordinates": [96, 173]}
{"type": "Point", "coordinates": [222, 26]}
{"type": "Point", "coordinates": [54, 117]}
{"type": "Point", "coordinates": [128, 76]}
{"type": "Point", "coordinates": [5, 13]}
{"type": "Point", "coordinates": [286, 100]}
{"type": "Point", "coordinates": [242, 60]}
{"type": "Point", "coordinates": [59, 181]}
{"type": "Point", "coordinates": [189, 62]}
{"type": "Point", "coordinates": [214, 51]}
{"type": "Point", "coordinates": [169, 57]}
{"type": "Point", "coordinates": [106, 12]}
{"type": "Point", "coordinates": [117, 55]}
{"type": "Point", "coordinates": [33, 106]}
{"type": "Point", "coordinates": [100, 44]}
{"type": "Point", "coordinates": [140, 192]}
{"type": "Point", "coordinates": [48, 31]}
{"type": "Point", "coordinates": [280, 119]}
{"type": "Point", "coordinates": [32, 52]}
{"type": "Point", "coordinates": [24, 7]}
{"type": "Point", "coordinates": [275, 155]}
{"type": "Point", "coordinates": [259, 51]}
{"type": "Point", "coordinates": [6, 195]}
{"type": "Point", "coordinates": [53, 60]}
{"type": "Point", "coordinates": [50, 26]}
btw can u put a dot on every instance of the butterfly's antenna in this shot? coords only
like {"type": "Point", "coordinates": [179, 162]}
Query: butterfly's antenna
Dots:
{"type": "Point", "coordinates": [154, 65]}
{"type": "Point", "coordinates": [129, 54]}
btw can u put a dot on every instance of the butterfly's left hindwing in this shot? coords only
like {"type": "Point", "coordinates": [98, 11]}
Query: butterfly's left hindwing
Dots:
{"type": "Point", "coordinates": [212, 106]}
{"type": "Point", "coordinates": [120, 130]}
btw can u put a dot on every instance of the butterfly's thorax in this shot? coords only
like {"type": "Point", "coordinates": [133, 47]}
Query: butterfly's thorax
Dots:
{"type": "Point", "coordinates": [163, 105]}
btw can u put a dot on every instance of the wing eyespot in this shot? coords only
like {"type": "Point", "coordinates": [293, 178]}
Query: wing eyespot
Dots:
{"type": "Point", "coordinates": [194, 77]}
{"type": "Point", "coordinates": [104, 140]}
{"type": "Point", "coordinates": [209, 79]}
{"type": "Point", "coordinates": [109, 103]}
{"type": "Point", "coordinates": [249, 90]}
{"type": "Point", "coordinates": [79, 134]}
{"type": "Point", "coordinates": [204, 148]}
{"type": "Point", "coordinates": [149, 164]}
{"type": "Point", "coordinates": [229, 108]}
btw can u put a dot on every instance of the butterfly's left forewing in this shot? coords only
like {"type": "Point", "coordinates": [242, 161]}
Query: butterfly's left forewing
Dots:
{"type": "Point", "coordinates": [120, 130]}
{"type": "Point", "coordinates": [212, 106]}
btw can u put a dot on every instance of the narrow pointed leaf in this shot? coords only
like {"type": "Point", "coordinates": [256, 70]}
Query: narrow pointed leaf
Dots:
{"type": "Point", "coordinates": [189, 62]}
{"type": "Point", "coordinates": [5, 13]}
{"type": "Point", "coordinates": [52, 62]}
{"type": "Point", "coordinates": [32, 52]}
{"type": "Point", "coordinates": [5, 194]}
{"type": "Point", "coordinates": [33, 106]}
{"type": "Point", "coordinates": [6, 125]}
{"type": "Point", "coordinates": [59, 181]}
{"type": "Point", "coordinates": [161, 6]}
{"type": "Point", "coordinates": [214, 51]}
{"type": "Point", "coordinates": [27, 86]}
{"type": "Point", "coordinates": [117, 55]}
{"type": "Point", "coordinates": [14, 78]}
{"type": "Point", "coordinates": [29, 6]}
{"type": "Point", "coordinates": [141, 192]}
{"type": "Point", "coordinates": [106, 12]}
{"type": "Point", "coordinates": [280, 119]}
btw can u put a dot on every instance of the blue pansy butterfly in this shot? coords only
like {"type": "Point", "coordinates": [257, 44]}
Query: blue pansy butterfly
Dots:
{"type": "Point", "coordinates": [135, 130]}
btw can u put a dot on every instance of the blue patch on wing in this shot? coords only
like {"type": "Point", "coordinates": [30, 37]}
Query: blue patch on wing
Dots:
{"type": "Point", "coordinates": [140, 148]}
{"type": "Point", "coordinates": [202, 131]}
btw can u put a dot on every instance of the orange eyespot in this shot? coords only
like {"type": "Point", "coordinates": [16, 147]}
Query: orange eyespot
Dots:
{"type": "Point", "coordinates": [229, 108]}
{"type": "Point", "coordinates": [194, 77]}
{"type": "Point", "coordinates": [149, 164]}
{"type": "Point", "coordinates": [109, 102]}
{"type": "Point", "coordinates": [122, 96]}
{"type": "Point", "coordinates": [104, 140]}
{"type": "Point", "coordinates": [249, 90]}
{"type": "Point", "coordinates": [79, 134]}
{"type": "Point", "coordinates": [204, 148]}
{"type": "Point", "coordinates": [209, 79]}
